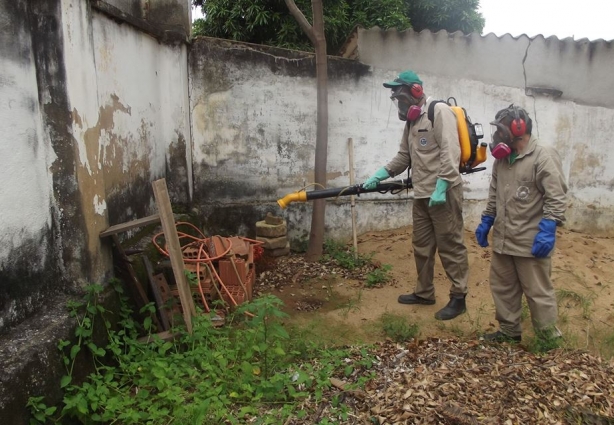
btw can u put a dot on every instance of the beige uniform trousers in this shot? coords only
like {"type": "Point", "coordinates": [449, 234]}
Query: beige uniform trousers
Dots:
{"type": "Point", "coordinates": [440, 228]}
{"type": "Point", "coordinates": [510, 276]}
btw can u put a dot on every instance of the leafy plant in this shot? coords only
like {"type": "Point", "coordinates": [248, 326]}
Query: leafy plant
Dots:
{"type": "Point", "coordinates": [398, 327]}
{"type": "Point", "coordinates": [345, 256]}
{"type": "Point", "coordinates": [214, 375]}
{"type": "Point", "coordinates": [379, 276]}
{"type": "Point", "coordinates": [544, 341]}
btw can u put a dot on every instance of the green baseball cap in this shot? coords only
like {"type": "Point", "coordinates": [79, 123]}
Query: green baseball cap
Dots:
{"type": "Point", "coordinates": [405, 78]}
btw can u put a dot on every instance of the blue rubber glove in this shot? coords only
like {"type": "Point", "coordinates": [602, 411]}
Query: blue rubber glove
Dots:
{"type": "Point", "coordinates": [544, 240]}
{"type": "Point", "coordinates": [371, 183]}
{"type": "Point", "coordinates": [481, 233]}
{"type": "Point", "coordinates": [439, 195]}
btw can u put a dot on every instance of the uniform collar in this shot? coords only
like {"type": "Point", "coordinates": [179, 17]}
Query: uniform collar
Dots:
{"type": "Point", "coordinates": [529, 148]}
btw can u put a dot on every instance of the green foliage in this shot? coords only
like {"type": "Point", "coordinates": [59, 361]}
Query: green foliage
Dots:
{"type": "Point", "coordinates": [379, 276]}
{"type": "Point", "coordinates": [544, 341]}
{"type": "Point", "coordinates": [300, 245]}
{"type": "Point", "coordinates": [398, 327]}
{"type": "Point", "coordinates": [39, 410]}
{"type": "Point", "coordinates": [270, 22]}
{"type": "Point", "coordinates": [214, 375]}
{"type": "Point", "coordinates": [451, 15]}
{"type": "Point", "coordinates": [347, 258]}
{"type": "Point", "coordinates": [344, 256]}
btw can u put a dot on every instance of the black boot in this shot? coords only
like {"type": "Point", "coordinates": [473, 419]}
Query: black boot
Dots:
{"type": "Point", "coordinates": [455, 307]}
{"type": "Point", "coordinates": [414, 299]}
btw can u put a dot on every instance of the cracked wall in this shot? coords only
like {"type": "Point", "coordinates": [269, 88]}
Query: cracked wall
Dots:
{"type": "Point", "coordinates": [254, 121]}
{"type": "Point", "coordinates": [565, 85]}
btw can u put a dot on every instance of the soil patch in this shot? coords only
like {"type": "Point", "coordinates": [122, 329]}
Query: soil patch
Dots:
{"type": "Point", "coordinates": [337, 305]}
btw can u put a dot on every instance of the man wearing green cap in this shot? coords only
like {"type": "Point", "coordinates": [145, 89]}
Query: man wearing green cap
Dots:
{"type": "Point", "coordinates": [432, 151]}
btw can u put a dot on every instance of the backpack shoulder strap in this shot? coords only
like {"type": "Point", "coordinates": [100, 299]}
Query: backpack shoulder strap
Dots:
{"type": "Point", "coordinates": [431, 112]}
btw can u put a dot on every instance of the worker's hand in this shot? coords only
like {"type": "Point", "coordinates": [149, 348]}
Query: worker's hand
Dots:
{"type": "Point", "coordinates": [439, 195]}
{"type": "Point", "coordinates": [544, 240]}
{"type": "Point", "coordinates": [481, 233]}
{"type": "Point", "coordinates": [371, 183]}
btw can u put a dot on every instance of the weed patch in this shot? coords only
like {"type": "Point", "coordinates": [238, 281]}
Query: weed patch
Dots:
{"type": "Point", "coordinates": [398, 328]}
{"type": "Point", "coordinates": [228, 375]}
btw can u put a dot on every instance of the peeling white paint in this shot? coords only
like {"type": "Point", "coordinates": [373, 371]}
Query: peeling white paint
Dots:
{"type": "Point", "coordinates": [100, 205]}
{"type": "Point", "coordinates": [154, 88]}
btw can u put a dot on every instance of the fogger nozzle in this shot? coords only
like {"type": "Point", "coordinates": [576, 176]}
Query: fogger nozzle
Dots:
{"type": "Point", "coordinates": [302, 196]}
{"type": "Point", "coordinates": [292, 197]}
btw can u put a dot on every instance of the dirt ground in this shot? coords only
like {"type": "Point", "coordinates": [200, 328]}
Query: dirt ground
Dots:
{"type": "Point", "coordinates": [345, 311]}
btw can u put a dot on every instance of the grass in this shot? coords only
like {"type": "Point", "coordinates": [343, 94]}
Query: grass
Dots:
{"type": "Point", "coordinates": [583, 301]}
{"type": "Point", "coordinates": [347, 258]}
{"type": "Point", "coordinates": [398, 328]}
{"type": "Point", "coordinates": [544, 341]}
{"type": "Point", "coordinates": [352, 305]}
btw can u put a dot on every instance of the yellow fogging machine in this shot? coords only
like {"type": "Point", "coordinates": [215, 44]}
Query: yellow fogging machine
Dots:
{"type": "Point", "coordinates": [393, 187]}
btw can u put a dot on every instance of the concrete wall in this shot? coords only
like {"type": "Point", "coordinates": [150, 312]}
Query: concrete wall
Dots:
{"type": "Point", "coordinates": [86, 128]}
{"type": "Point", "coordinates": [26, 216]}
{"type": "Point", "coordinates": [488, 73]}
{"type": "Point", "coordinates": [254, 128]}
{"type": "Point", "coordinates": [254, 113]}
{"type": "Point", "coordinates": [93, 108]}
{"type": "Point", "coordinates": [99, 98]}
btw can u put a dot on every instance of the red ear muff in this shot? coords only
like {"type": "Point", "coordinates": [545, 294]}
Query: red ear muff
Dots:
{"type": "Point", "coordinates": [416, 91]}
{"type": "Point", "coordinates": [518, 127]}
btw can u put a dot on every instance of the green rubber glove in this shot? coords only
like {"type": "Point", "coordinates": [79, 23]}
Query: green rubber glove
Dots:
{"type": "Point", "coordinates": [439, 195]}
{"type": "Point", "coordinates": [371, 183]}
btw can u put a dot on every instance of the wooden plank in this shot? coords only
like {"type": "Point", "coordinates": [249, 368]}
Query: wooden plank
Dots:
{"type": "Point", "coordinates": [174, 250]}
{"type": "Point", "coordinates": [157, 295]}
{"type": "Point", "coordinates": [124, 227]}
{"type": "Point", "coordinates": [138, 292]}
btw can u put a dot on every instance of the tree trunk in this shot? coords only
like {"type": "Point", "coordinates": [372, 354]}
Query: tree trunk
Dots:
{"type": "Point", "coordinates": [316, 236]}
{"type": "Point", "coordinates": [317, 37]}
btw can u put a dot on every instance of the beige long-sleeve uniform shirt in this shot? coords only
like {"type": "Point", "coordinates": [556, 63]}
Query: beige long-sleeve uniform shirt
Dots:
{"type": "Point", "coordinates": [523, 193]}
{"type": "Point", "coordinates": [432, 151]}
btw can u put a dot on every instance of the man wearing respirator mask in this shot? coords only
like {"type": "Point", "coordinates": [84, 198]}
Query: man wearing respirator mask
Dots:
{"type": "Point", "coordinates": [432, 152]}
{"type": "Point", "coordinates": [527, 200]}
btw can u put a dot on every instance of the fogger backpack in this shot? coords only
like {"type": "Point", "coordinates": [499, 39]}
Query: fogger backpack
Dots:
{"type": "Point", "coordinates": [473, 153]}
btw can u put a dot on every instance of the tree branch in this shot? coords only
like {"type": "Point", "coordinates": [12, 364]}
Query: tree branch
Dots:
{"type": "Point", "coordinates": [302, 21]}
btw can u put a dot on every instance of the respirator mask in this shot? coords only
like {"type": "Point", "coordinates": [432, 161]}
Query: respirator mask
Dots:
{"type": "Point", "coordinates": [407, 105]}
{"type": "Point", "coordinates": [503, 136]}
{"type": "Point", "coordinates": [500, 147]}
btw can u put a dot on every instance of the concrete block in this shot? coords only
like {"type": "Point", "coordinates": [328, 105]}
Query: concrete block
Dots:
{"type": "Point", "coordinates": [273, 219]}
{"type": "Point", "coordinates": [279, 252]}
{"type": "Point", "coordinates": [271, 230]}
{"type": "Point", "coordinates": [273, 243]}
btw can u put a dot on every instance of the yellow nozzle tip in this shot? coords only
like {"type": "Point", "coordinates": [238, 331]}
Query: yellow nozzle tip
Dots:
{"type": "Point", "coordinates": [292, 197]}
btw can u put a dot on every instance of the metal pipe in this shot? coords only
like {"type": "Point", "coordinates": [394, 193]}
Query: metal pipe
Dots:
{"type": "Point", "coordinates": [302, 196]}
